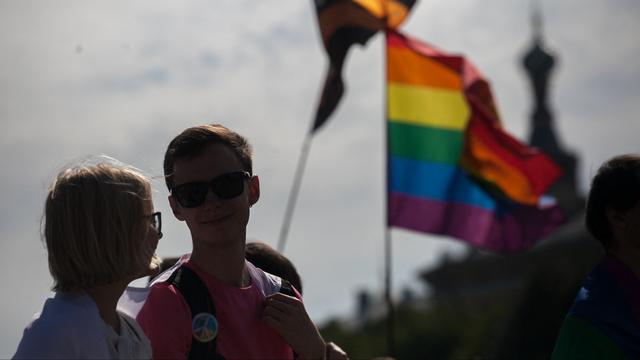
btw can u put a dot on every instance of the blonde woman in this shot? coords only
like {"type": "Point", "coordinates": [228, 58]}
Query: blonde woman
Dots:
{"type": "Point", "coordinates": [101, 233]}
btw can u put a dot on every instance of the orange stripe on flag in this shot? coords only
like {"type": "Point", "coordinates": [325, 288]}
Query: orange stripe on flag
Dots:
{"type": "Point", "coordinates": [539, 170]}
{"type": "Point", "coordinates": [486, 165]}
{"type": "Point", "coordinates": [408, 67]}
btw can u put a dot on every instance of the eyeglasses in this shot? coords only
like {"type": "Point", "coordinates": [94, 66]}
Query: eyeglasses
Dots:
{"type": "Point", "coordinates": [156, 222]}
{"type": "Point", "coordinates": [226, 186]}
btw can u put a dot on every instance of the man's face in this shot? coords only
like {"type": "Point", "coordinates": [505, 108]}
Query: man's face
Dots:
{"type": "Point", "coordinates": [216, 221]}
{"type": "Point", "coordinates": [625, 225]}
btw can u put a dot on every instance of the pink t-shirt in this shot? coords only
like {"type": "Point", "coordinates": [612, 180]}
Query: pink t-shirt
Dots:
{"type": "Point", "coordinates": [166, 320]}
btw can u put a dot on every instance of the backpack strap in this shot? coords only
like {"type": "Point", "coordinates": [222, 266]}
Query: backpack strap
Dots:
{"type": "Point", "coordinates": [197, 296]}
{"type": "Point", "coordinates": [286, 288]}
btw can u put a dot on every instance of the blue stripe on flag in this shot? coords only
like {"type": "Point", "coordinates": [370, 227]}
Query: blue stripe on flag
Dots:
{"type": "Point", "coordinates": [436, 181]}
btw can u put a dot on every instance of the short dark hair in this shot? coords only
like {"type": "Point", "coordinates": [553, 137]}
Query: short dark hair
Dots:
{"type": "Point", "coordinates": [268, 259]}
{"type": "Point", "coordinates": [193, 141]}
{"type": "Point", "coordinates": [616, 185]}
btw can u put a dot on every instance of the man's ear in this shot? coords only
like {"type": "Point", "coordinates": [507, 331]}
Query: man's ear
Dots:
{"type": "Point", "coordinates": [254, 190]}
{"type": "Point", "coordinates": [175, 208]}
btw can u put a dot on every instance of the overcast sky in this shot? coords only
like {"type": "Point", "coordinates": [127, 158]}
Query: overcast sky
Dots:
{"type": "Point", "coordinates": [80, 77]}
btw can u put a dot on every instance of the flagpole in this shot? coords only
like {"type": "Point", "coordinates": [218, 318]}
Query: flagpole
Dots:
{"type": "Point", "coordinates": [387, 233]}
{"type": "Point", "coordinates": [295, 189]}
{"type": "Point", "coordinates": [391, 344]}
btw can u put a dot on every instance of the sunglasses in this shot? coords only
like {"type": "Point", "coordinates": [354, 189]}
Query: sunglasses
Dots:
{"type": "Point", "coordinates": [156, 223]}
{"type": "Point", "coordinates": [226, 186]}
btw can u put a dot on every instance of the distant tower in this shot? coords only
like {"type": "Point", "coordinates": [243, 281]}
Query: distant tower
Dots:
{"type": "Point", "coordinates": [538, 63]}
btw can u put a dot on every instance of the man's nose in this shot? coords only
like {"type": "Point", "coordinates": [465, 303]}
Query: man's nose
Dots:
{"type": "Point", "coordinates": [211, 199]}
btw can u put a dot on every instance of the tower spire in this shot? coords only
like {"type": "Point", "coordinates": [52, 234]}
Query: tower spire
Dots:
{"type": "Point", "coordinates": [536, 20]}
{"type": "Point", "coordinates": [539, 63]}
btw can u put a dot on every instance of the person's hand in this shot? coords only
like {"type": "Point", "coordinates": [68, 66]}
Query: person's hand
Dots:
{"type": "Point", "coordinates": [287, 315]}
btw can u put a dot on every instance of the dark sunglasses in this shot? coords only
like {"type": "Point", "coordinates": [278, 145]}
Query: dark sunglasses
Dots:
{"type": "Point", "coordinates": [226, 186]}
{"type": "Point", "coordinates": [156, 222]}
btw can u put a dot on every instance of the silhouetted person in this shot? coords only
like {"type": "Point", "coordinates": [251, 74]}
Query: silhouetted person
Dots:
{"type": "Point", "coordinates": [268, 259]}
{"type": "Point", "coordinates": [604, 321]}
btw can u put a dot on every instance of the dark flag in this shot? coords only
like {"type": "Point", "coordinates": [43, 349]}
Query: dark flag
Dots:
{"type": "Point", "coordinates": [342, 24]}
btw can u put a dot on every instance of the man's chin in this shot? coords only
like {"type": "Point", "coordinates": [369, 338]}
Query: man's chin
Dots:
{"type": "Point", "coordinates": [217, 221]}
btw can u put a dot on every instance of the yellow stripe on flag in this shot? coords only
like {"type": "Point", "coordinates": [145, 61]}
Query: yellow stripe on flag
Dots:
{"type": "Point", "coordinates": [425, 106]}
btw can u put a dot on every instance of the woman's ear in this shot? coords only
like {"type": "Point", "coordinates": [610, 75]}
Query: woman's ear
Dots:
{"type": "Point", "coordinates": [254, 190]}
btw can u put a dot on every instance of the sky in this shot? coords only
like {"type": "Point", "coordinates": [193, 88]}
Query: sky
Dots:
{"type": "Point", "coordinates": [122, 78]}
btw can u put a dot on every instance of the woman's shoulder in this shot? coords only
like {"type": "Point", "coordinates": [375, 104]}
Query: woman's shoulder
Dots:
{"type": "Point", "coordinates": [66, 327]}
{"type": "Point", "coordinates": [139, 346]}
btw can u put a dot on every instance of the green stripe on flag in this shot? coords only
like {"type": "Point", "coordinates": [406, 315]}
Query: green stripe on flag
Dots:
{"type": "Point", "coordinates": [425, 143]}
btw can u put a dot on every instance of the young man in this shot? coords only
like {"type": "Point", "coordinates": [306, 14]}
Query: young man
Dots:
{"type": "Point", "coordinates": [604, 321]}
{"type": "Point", "coordinates": [208, 170]}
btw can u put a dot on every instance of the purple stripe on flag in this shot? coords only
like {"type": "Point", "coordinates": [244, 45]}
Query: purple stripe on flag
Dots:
{"type": "Point", "coordinates": [511, 230]}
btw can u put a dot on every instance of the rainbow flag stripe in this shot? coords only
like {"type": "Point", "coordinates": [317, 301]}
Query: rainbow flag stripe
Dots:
{"type": "Point", "coordinates": [452, 169]}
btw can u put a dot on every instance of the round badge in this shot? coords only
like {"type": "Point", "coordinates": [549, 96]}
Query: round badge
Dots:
{"type": "Point", "coordinates": [204, 327]}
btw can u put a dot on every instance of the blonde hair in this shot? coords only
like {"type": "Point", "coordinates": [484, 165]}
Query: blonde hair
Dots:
{"type": "Point", "coordinates": [95, 227]}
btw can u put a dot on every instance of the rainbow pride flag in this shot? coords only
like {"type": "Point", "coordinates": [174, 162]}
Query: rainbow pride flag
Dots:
{"type": "Point", "coordinates": [452, 169]}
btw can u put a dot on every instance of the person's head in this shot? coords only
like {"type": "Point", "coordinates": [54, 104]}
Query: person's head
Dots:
{"type": "Point", "coordinates": [208, 171]}
{"type": "Point", "coordinates": [613, 205]}
{"type": "Point", "coordinates": [99, 226]}
{"type": "Point", "coordinates": [268, 259]}
{"type": "Point", "coordinates": [193, 141]}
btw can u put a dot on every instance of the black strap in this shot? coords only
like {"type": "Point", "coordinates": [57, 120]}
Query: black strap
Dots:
{"type": "Point", "coordinates": [286, 288]}
{"type": "Point", "coordinates": [197, 296]}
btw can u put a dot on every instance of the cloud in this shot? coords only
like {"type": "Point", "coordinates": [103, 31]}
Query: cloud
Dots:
{"type": "Point", "coordinates": [123, 78]}
{"type": "Point", "coordinates": [132, 82]}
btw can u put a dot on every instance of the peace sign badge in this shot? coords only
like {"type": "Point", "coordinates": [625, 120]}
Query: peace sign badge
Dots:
{"type": "Point", "coordinates": [204, 327]}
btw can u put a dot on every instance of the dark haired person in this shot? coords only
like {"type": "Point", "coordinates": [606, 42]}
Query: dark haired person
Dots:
{"type": "Point", "coordinates": [604, 321]}
{"type": "Point", "coordinates": [268, 259]}
{"type": "Point", "coordinates": [208, 171]}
